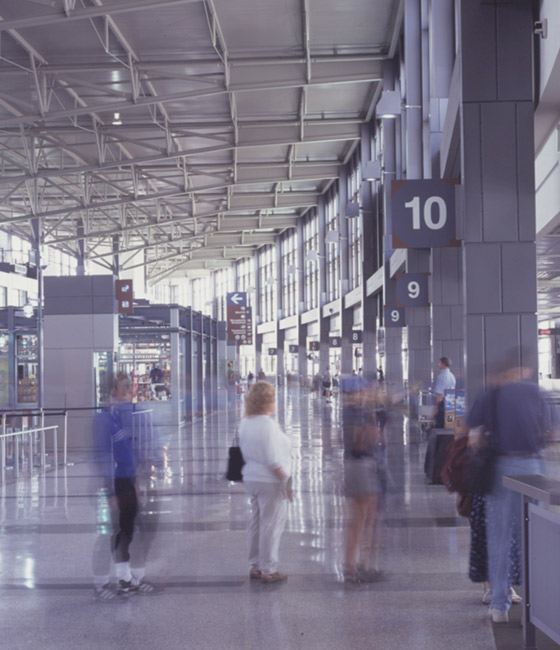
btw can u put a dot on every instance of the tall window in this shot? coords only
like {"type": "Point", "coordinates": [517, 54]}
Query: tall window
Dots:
{"type": "Point", "coordinates": [268, 282]}
{"type": "Point", "coordinates": [332, 245]}
{"type": "Point", "coordinates": [311, 255]}
{"type": "Point", "coordinates": [289, 274]}
{"type": "Point", "coordinates": [355, 226]}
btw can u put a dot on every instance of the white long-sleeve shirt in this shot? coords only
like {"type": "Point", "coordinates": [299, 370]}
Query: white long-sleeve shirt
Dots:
{"type": "Point", "coordinates": [265, 447]}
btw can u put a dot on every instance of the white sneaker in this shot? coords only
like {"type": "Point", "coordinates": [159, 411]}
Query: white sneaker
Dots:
{"type": "Point", "coordinates": [498, 615]}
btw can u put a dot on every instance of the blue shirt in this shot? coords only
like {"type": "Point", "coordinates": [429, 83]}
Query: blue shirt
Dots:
{"type": "Point", "coordinates": [445, 380]}
{"type": "Point", "coordinates": [517, 415]}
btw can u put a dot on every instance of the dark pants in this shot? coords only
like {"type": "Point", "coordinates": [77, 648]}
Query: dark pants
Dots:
{"type": "Point", "coordinates": [127, 502]}
{"type": "Point", "coordinates": [439, 422]}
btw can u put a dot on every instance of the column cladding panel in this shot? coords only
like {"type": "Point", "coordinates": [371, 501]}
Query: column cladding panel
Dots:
{"type": "Point", "coordinates": [519, 277]}
{"type": "Point", "coordinates": [499, 172]}
{"type": "Point", "coordinates": [482, 278]}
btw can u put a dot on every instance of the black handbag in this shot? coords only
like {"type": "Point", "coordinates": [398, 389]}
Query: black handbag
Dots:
{"type": "Point", "coordinates": [481, 465]}
{"type": "Point", "coordinates": [235, 462]}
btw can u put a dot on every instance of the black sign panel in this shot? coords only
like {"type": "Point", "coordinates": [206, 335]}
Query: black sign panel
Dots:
{"type": "Point", "coordinates": [293, 349]}
{"type": "Point", "coordinates": [412, 290]}
{"type": "Point", "coordinates": [335, 342]}
{"type": "Point", "coordinates": [314, 346]}
{"type": "Point", "coordinates": [423, 213]}
{"type": "Point", "coordinates": [394, 316]}
{"type": "Point", "coordinates": [272, 351]}
{"type": "Point", "coordinates": [357, 336]}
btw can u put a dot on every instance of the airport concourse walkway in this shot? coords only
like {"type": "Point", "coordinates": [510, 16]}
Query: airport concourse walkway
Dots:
{"type": "Point", "coordinates": [50, 526]}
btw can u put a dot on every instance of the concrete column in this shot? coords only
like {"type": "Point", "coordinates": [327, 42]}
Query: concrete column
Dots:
{"type": "Point", "coordinates": [497, 159]}
{"type": "Point", "coordinates": [324, 323]}
{"type": "Point", "coordinates": [446, 263]}
{"type": "Point", "coordinates": [302, 329]}
{"type": "Point", "coordinates": [176, 396]}
{"type": "Point", "coordinates": [346, 315]}
{"type": "Point", "coordinates": [81, 266]}
{"type": "Point", "coordinates": [280, 334]}
{"type": "Point", "coordinates": [393, 336]}
{"type": "Point", "coordinates": [37, 232]}
{"type": "Point", "coordinates": [418, 318]}
{"type": "Point", "coordinates": [370, 261]}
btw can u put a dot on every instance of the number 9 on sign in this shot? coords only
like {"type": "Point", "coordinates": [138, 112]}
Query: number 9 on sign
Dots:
{"type": "Point", "coordinates": [394, 316]}
{"type": "Point", "coordinates": [412, 290]}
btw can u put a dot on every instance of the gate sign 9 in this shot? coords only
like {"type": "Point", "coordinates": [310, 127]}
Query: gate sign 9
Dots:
{"type": "Point", "coordinates": [423, 213]}
{"type": "Point", "coordinates": [412, 290]}
{"type": "Point", "coordinates": [393, 316]}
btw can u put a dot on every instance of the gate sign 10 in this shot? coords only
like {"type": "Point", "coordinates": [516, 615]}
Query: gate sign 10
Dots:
{"type": "Point", "coordinates": [423, 213]}
{"type": "Point", "coordinates": [394, 316]}
{"type": "Point", "coordinates": [412, 290]}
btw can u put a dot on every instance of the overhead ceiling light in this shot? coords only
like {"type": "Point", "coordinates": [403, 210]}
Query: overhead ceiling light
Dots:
{"type": "Point", "coordinates": [372, 170]}
{"type": "Point", "coordinates": [389, 104]}
{"type": "Point", "coordinates": [352, 209]}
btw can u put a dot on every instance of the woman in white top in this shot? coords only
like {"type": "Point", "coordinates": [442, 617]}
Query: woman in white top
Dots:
{"type": "Point", "coordinates": [266, 450]}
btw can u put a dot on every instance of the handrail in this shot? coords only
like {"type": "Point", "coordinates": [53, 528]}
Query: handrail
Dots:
{"type": "Point", "coordinates": [26, 432]}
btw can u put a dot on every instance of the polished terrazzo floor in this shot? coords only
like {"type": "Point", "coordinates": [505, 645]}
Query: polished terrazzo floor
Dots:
{"type": "Point", "coordinates": [50, 524]}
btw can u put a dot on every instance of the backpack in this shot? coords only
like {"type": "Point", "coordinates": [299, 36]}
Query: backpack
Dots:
{"type": "Point", "coordinates": [455, 472]}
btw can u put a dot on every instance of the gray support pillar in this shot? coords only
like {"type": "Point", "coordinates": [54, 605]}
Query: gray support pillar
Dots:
{"type": "Point", "coordinates": [393, 336]}
{"type": "Point", "coordinates": [189, 370]}
{"type": "Point", "coordinates": [37, 233]}
{"type": "Point", "coordinates": [324, 323]}
{"type": "Point", "coordinates": [418, 318]}
{"type": "Point", "coordinates": [116, 261]}
{"type": "Point", "coordinates": [81, 267]}
{"type": "Point", "coordinates": [370, 261]}
{"type": "Point", "coordinates": [442, 55]}
{"type": "Point", "coordinates": [302, 329]}
{"type": "Point", "coordinates": [257, 315]}
{"type": "Point", "coordinates": [497, 156]}
{"type": "Point", "coordinates": [347, 315]}
{"type": "Point", "coordinates": [176, 396]}
{"type": "Point", "coordinates": [280, 334]}
{"type": "Point", "coordinates": [446, 263]}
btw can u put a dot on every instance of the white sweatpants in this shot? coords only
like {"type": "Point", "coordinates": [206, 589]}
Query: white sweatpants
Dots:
{"type": "Point", "coordinates": [269, 510]}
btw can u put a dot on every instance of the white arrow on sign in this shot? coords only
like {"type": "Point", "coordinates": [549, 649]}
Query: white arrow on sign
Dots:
{"type": "Point", "coordinates": [236, 299]}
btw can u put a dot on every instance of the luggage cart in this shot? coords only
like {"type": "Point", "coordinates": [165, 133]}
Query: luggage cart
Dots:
{"type": "Point", "coordinates": [426, 406]}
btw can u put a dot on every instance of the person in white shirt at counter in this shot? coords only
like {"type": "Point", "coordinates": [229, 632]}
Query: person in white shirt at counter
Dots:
{"type": "Point", "coordinates": [445, 381]}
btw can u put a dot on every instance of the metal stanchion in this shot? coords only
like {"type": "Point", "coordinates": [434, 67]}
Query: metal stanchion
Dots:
{"type": "Point", "coordinates": [65, 450]}
{"type": "Point", "coordinates": [55, 446]}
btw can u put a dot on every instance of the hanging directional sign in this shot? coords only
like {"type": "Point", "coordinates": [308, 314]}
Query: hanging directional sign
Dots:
{"type": "Point", "coordinates": [272, 351]}
{"type": "Point", "coordinates": [412, 290]}
{"type": "Point", "coordinates": [356, 336]}
{"type": "Point", "coordinates": [335, 342]}
{"type": "Point", "coordinates": [293, 348]}
{"type": "Point", "coordinates": [239, 322]}
{"type": "Point", "coordinates": [314, 346]}
{"type": "Point", "coordinates": [124, 295]}
{"type": "Point", "coordinates": [394, 316]}
{"type": "Point", "coordinates": [423, 213]}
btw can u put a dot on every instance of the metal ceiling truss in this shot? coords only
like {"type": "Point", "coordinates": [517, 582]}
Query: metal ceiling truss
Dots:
{"type": "Point", "coordinates": [123, 145]}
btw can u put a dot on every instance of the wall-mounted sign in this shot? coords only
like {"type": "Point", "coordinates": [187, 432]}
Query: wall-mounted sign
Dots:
{"type": "Point", "coordinates": [272, 351]}
{"type": "Point", "coordinates": [423, 213]}
{"type": "Point", "coordinates": [335, 342]}
{"type": "Point", "coordinates": [356, 336]}
{"type": "Point", "coordinates": [412, 290]}
{"type": "Point", "coordinates": [394, 316]}
{"type": "Point", "coordinates": [549, 331]}
{"type": "Point", "coordinates": [293, 349]}
{"type": "Point", "coordinates": [314, 346]}
{"type": "Point", "coordinates": [125, 296]}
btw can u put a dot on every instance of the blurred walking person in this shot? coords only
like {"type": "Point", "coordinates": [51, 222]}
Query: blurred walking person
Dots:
{"type": "Point", "coordinates": [266, 450]}
{"type": "Point", "coordinates": [361, 480]}
{"type": "Point", "coordinates": [513, 417]}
